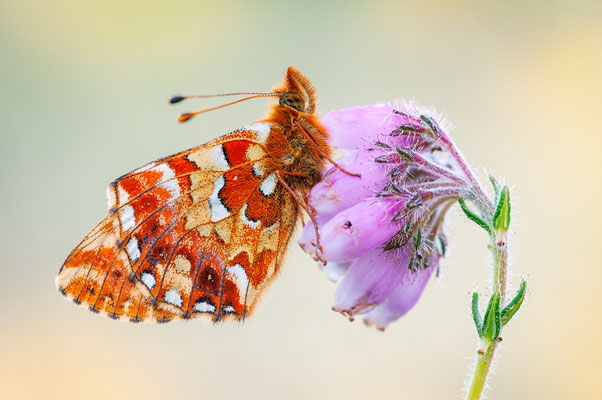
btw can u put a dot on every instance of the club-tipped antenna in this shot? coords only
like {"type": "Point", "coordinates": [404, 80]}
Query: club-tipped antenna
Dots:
{"type": "Point", "coordinates": [179, 97]}
{"type": "Point", "coordinates": [186, 116]}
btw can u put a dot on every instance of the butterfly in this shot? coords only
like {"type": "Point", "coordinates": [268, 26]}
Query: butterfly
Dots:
{"type": "Point", "coordinates": [203, 232]}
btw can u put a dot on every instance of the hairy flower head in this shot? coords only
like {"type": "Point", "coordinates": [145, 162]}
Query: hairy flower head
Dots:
{"type": "Point", "coordinates": [382, 233]}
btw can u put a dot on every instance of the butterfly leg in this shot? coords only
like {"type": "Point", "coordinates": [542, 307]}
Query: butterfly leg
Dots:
{"type": "Point", "coordinates": [322, 153]}
{"type": "Point", "coordinates": [309, 210]}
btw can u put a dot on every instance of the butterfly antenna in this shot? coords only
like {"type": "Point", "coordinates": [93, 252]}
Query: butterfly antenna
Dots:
{"type": "Point", "coordinates": [186, 116]}
{"type": "Point", "coordinates": [179, 97]}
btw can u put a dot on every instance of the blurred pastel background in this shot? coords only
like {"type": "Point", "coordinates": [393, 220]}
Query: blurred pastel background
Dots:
{"type": "Point", "coordinates": [84, 90]}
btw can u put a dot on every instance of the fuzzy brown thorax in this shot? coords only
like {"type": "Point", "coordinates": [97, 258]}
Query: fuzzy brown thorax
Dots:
{"type": "Point", "coordinates": [302, 146]}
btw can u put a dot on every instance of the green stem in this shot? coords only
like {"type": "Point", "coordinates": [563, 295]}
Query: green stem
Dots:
{"type": "Point", "coordinates": [486, 351]}
{"type": "Point", "coordinates": [481, 371]}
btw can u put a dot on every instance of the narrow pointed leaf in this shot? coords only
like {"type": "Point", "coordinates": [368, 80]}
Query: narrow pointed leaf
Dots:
{"type": "Point", "coordinates": [498, 209]}
{"type": "Point", "coordinates": [506, 224]}
{"type": "Point", "coordinates": [473, 217]}
{"type": "Point", "coordinates": [496, 186]}
{"type": "Point", "coordinates": [512, 307]}
{"type": "Point", "coordinates": [476, 315]}
{"type": "Point", "coordinates": [491, 321]}
{"type": "Point", "coordinates": [501, 217]}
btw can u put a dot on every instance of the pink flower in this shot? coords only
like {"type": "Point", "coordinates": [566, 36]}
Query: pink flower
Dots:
{"type": "Point", "coordinates": [383, 233]}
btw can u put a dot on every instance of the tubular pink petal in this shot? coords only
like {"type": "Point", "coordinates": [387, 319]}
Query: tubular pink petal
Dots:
{"type": "Point", "coordinates": [356, 127]}
{"type": "Point", "coordinates": [401, 300]}
{"type": "Point", "coordinates": [358, 229]}
{"type": "Point", "coordinates": [338, 190]}
{"type": "Point", "coordinates": [398, 203]}
{"type": "Point", "coordinates": [308, 240]}
{"type": "Point", "coordinates": [368, 282]}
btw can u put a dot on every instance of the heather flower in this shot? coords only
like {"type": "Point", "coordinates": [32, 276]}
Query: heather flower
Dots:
{"type": "Point", "coordinates": [382, 233]}
{"type": "Point", "coordinates": [380, 213]}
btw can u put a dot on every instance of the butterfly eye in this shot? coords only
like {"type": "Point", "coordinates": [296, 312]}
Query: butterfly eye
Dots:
{"type": "Point", "coordinates": [294, 101]}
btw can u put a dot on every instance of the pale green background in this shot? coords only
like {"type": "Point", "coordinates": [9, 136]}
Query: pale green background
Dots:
{"type": "Point", "coordinates": [84, 89]}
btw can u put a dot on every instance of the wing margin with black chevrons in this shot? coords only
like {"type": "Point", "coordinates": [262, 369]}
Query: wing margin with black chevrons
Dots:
{"type": "Point", "coordinates": [199, 233]}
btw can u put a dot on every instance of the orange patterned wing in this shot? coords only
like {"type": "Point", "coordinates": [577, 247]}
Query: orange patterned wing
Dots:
{"type": "Point", "coordinates": [201, 232]}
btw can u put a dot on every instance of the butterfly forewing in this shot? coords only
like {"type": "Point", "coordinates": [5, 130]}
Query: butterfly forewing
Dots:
{"type": "Point", "coordinates": [201, 232]}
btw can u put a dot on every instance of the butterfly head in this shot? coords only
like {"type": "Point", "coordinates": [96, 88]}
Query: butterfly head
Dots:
{"type": "Point", "coordinates": [297, 92]}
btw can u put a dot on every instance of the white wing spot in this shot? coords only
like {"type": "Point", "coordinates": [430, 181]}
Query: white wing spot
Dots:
{"type": "Point", "coordinates": [258, 169]}
{"type": "Point", "coordinates": [229, 309]}
{"type": "Point", "coordinates": [128, 221]}
{"type": "Point", "coordinates": [110, 197]}
{"type": "Point", "coordinates": [148, 279]}
{"type": "Point", "coordinates": [167, 180]}
{"type": "Point", "coordinates": [245, 220]}
{"type": "Point", "coordinates": [218, 210]}
{"type": "Point", "coordinates": [173, 186]}
{"type": "Point", "coordinates": [204, 307]}
{"type": "Point", "coordinates": [124, 197]}
{"type": "Point", "coordinates": [166, 172]}
{"type": "Point", "coordinates": [133, 249]}
{"type": "Point", "coordinates": [173, 297]}
{"type": "Point", "coordinates": [268, 185]}
{"type": "Point", "coordinates": [239, 276]}
{"type": "Point", "coordinates": [262, 129]}
{"type": "Point", "coordinates": [219, 158]}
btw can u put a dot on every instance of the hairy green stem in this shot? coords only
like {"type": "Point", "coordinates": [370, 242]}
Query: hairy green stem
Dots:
{"type": "Point", "coordinates": [486, 351]}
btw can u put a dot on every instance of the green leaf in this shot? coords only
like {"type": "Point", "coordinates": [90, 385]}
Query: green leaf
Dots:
{"type": "Point", "coordinates": [492, 320]}
{"type": "Point", "coordinates": [473, 217]}
{"type": "Point", "coordinates": [501, 216]}
{"type": "Point", "coordinates": [476, 315]}
{"type": "Point", "coordinates": [512, 307]}
{"type": "Point", "coordinates": [498, 208]}
{"type": "Point", "coordinates": [495, 184]}
{"type": "Point", "coordinates": [508, 209]}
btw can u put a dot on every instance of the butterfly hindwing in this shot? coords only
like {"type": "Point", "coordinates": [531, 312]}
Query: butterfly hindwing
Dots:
{"type": "Point", "coordinates": [201, 232]}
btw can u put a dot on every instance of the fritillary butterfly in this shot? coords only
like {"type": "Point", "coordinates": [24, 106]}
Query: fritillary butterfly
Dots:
{"type": "Point", "coordinates": [204, 232]}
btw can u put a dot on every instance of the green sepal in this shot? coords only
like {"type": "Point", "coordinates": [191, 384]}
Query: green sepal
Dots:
{"type": "Point", "coordinates": [431, 124]}
{"type": "Point", "coordinates": [401, 129]}
{"type": "Point", "coordinates": [473, 217]}
{"type": "Point", "coordinates": [492, 319]}
{"type": "Point", "coordinates": [404, 154]}
{"type": "Point", "coordinates": [496, 186]}
{"type": "Point", "coordinates": [476, 315]}
{"type": "Point", "coordinates": [443, 245]}
{"type": "Point", "coordinates": [418, 239]}
{"type": "Point", "coordinates": [401, 238]}
{"type": "Point", "coordinates": [512, 307]}
{"type": "Point", "coordinates": [411, 261]}
{"type": "Point", "coordinates": [501, 217]}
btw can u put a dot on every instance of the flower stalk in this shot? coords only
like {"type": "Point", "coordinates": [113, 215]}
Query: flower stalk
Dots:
{"type": "Point", "coordinates": [488, 344]}
{"type": "Point", "coordinates": [489, 329]}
